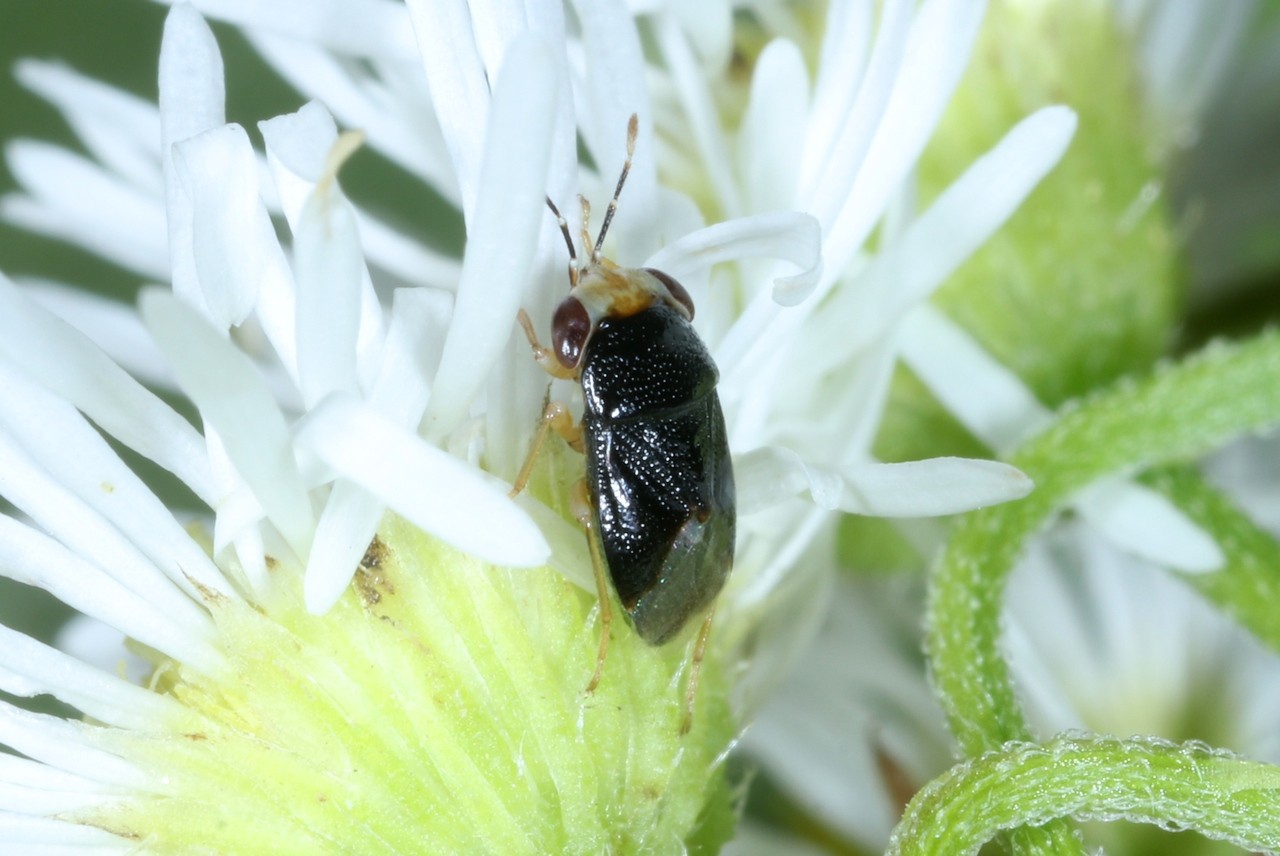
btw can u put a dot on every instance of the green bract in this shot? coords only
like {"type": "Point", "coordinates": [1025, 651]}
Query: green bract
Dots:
{"type": "Point", "coordinates": [438, 708]}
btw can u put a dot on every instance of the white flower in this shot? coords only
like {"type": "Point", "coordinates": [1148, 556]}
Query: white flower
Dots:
{"type": "Point", "coordinates": [1093, 664]}
{"type": "Point", "coordinates": [326, 398]}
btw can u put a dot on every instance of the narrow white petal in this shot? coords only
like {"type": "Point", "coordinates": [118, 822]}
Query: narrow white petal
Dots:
{"type": "Point", "coordinates": [37, 560]}
{"type": "Point", "coordinates": [119, 128]}
{"type": "Point", "coordinates": [931, 487]}
{"type": "Point", "coordinates": [411, 354]}
{"type": "Point", "coordinates": [1144, 523]}
{"type": "Point", "coordinates": [461, 505]}
{"type": "Point", "coordinates": [850, 98]}
{"type": "Point", "coordinates": [772, 474]}
{"type": "Point", "coordinates": [298, 145]}
{"type": "Point", "coordinates": [375, 28]}
{"type": "Point", "coordinates": [45, 836]}
{"type": "Point", "coordinates": [74, 199]}
{"type": "Point", "coordinates": [28, 668]}
{"type": "Point", "coordinates": [966, 214]}
{"type": "Point", "coordinates": [614, 81]}
{"type": "Point", "coordinates": [709, 28]}
{"type": "Point", "coordinates": [329, 268]}
{"type": "Point", "coordinates": [400, 392]}
{"type": "Point", "coordinates": [231, 232]}
{"type": "Point", "coordinates": [402, 256]}
{"type": "Point", "coordinates": [68, 745]}
{"type": "Point", "coordinates": [986, 397]}
{"type": "Point", "coordinates": [700, 111]}
{"type": "Point", "coordinates": [566, 541]}
{"type": "Point", "coordinates": [768, 141]}
{"type": "Point", "coordinates": [110, 325]}
{"type": "Point", "coordinates": [55, 460]}
{"type": "Point", "coordinates": [459, 91]}
{"type": "Point", "coordinates": [192, 93]}
{"type": "Point", "coordinates": [347, 525]}
{"type": "Point", "coordinates": [504, 233]}
{"type": "Point", "coordinates": [101, 645]}
{"type": "Point", "coordinates": [937, 52]}
{"type": "Point", "coordinates": [192, 96]}
{"type": "Point", "coordinates": [389, 104]}
{"type": "Point", "coordinates": [789, 235]}
{"type": "Point", "coordinates": [927, 488]}
{"type": "Point", "coordinates": [841, 63]}
{"type": "Point", "coordinates": [79, 522]}
{"type": "Point", "coordinates": [31, 788]}
{"type": "Point", "coordinates": [235, 401]}
{"type": "Point", "coordinates": [68, 364]}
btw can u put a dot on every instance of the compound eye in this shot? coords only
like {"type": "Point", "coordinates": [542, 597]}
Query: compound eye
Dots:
{"type": "Point", "coordinates": [570, 329]}
{"type": "Point", "coordinates": [675, 289]}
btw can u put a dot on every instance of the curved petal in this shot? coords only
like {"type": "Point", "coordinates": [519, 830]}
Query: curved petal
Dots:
{"type": "Point", "coordinates": [928, 488]}
{"type": "Point", "coordinates": [427, 486]}
{"type": "Point", "coordinates": [788, 235]}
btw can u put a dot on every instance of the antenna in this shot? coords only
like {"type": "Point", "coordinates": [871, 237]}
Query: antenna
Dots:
{"type": "Point", "coordinates": [568, 242]}
{"type": "Point", "coordinates": [632, 127]}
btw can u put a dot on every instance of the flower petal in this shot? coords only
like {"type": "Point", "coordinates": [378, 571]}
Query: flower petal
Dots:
{"type": "Point", "coordinates": [459, 91]}
{"type": "Point", "coordinates": [700, 112]}
{"type": "Point", "coordinates": [1145, 524]}
{"type": "Point", "coordinates": [936, 53]}
{"type": "Point", "coordinates": [68, 480]}
{"type": "Point", "coordinates": [76, 200]}
{"type": "Point", "coordinates": [68, 745]}
{"type": "Point", "coordinates": [329, 268]}
{"type": "Point", "coordinates": [66, 363]}
{"type": "Point", "coordinates": [767, 141]}
{"type": "Point", "coordinates": [967, 213]}
{"type": "Point", "coordinates": [392, 108]}
{"type": "Point", "coordinates": [986, 397]}
{"type": "Point", "coordinates": [30, 788]}
{"type": "Point", "coordinates": [117, 127]}
{"type": "Point", "coordinates": [504, 232]}
{"type": "Point", "coordinates": [231, 234]}
{"type": "Point", "coordinates": [35, 559]}
{"type": "Point", "coordinates": [927, 488]}
{"type": "Point", "coordinates": [373, 28]}
{"type": "Point", "coordinates": [233, 398]}
{"type": "Point", "coordinates": [430, 488]}
{"type": "Point", "coordinates": [788, 235]}
{"type": "Point", "coordinates": [613, 81]}
{"type": "Point", "coordinates": [29, 668]}
{"type": "Point", "coordinates": [192, 95]}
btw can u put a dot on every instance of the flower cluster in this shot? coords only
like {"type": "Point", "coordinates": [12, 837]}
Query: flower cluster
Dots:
{"type": "Point", "coordinates": [355, 639]}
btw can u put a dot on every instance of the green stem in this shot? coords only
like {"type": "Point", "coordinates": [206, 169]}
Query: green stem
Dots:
{"type": "Point", "coordinates": [1181, 411]}
{"type": "Point", "coordinates": [1247, 587]}
{"type": "Point", "coordinates": [1090, 778]}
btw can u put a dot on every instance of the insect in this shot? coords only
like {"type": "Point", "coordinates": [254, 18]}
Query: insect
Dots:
{"type": "Point", "coordinates": [657, 502]}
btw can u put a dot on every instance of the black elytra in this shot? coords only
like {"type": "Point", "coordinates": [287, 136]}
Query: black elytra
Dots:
{"type": "Point", "coordinates": [658, 467]}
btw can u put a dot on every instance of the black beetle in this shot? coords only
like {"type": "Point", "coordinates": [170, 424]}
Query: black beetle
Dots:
{"type": "Point", "coordinates": [657, 502]}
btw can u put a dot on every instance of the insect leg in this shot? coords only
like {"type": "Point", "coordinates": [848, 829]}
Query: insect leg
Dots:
{"type": "Point", "coordinates": [695, 669]}
{"type": "Point", "coordinates": [582, 509]}
{"type": "Point", "coordinates": [555, 417]}
{"type": "Point", "coordinates": [541, 355]}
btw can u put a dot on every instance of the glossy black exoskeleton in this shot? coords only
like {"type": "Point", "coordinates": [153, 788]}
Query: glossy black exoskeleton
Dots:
{"type": "Point", "coordinates": [658, 467]}
{"type": "Point", "coordinates": [658, 498]}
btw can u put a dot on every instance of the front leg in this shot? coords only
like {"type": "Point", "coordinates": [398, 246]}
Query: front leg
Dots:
{"type": "Point", "coordinates": [555, 417]}
{"type": "Point", "coordinates": [542, 356]}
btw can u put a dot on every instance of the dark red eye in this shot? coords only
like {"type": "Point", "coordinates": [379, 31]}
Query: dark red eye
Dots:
{"type": "Point", "coordinates": [676, 289]}
{"type": "Point", "coordinates": [570, 329]}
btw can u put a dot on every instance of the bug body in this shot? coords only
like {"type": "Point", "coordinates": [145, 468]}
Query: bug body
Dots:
{"type": "Point", "coordinates": [658, 467]}
{"type": "Point", "coordinates": [658, 498]}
